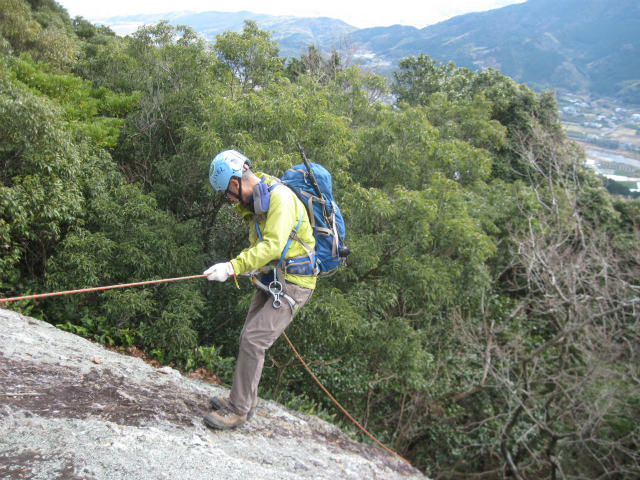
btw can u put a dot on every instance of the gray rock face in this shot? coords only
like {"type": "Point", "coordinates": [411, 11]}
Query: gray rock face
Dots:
{"type": "Point", "coordinates": [71, 409]}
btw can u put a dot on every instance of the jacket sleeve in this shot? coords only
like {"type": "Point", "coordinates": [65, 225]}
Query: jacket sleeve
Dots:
{"type": "Point", "coordinates": [282, 217]}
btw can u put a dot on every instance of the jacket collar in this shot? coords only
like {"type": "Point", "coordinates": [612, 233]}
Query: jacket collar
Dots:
{"type": "Point", "coordinates": [245, 212]}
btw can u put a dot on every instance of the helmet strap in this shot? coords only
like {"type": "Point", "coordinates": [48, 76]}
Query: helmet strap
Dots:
{"type": "Point", "coordinates": [237, 196]}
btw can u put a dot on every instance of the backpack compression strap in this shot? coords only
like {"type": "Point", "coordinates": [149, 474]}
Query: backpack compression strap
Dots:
{"type": "Point", "coordinates": [329, 218]}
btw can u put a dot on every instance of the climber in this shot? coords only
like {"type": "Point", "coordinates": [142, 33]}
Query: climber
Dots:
{"type": "Point", "coordinates": [282, 243]}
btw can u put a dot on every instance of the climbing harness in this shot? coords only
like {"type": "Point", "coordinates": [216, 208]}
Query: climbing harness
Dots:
{"type": "Point", "coordinates": [274, 287]}
{"type": "Point", "coordinates": [276, 290]}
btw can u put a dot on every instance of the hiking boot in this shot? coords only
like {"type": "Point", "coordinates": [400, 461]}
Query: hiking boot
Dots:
{"type": "Point", "coordinates": [218, 403]}
{"type": "Point", "coordinates": [224, 419]}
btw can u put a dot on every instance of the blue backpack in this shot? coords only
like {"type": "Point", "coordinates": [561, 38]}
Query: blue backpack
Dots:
{"type": "Point", "coordinates": [312, 184]}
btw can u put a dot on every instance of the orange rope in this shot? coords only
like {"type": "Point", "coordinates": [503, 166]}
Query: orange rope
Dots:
{"type": "Point", "coordinates": [97, 289]}
{"type": "Point", "coordinates": [364, 430]}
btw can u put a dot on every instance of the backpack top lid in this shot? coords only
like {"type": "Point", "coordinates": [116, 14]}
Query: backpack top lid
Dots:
{"type": "Point", "coordinates": [298, 175]}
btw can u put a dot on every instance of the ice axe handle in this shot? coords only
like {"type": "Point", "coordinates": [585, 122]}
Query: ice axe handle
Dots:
{"type": "Point", "coordinates": [310, 170]}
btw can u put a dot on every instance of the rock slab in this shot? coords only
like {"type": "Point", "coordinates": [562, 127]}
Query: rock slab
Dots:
{"type": "Point", "coordinates": [70, 409]}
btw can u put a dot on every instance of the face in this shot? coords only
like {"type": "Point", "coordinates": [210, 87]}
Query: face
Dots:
{"type": "Point", "coordinates": [233, 190]}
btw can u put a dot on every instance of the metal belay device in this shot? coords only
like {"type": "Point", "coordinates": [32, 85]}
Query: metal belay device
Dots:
{"type": "Point", "coordinates": [275, 288]}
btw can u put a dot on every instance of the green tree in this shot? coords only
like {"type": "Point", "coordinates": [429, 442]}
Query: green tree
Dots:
{"type": "Point", "coordinates": [40, 193]}
{"type": "Point", "coordinates": [467, 120]}
{"type": "Point", "coordinates": [251, 58]}
{"type": "Point", "coordinates": [42, 29]}
{"type": "Point", "coordinates": [315, 65]}
{"type": "Point", "coordinates": [124, 238]}
{"type": "Point", "coordinates": [420, 77]}
{"type": "Point", "coordinates": [514, 106]}
{"type": "Point", "coordinates": [18, 28]}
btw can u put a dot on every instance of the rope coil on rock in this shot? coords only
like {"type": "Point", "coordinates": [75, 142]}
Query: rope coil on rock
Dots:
{"type": "Point", "coordinates": [176, 279]}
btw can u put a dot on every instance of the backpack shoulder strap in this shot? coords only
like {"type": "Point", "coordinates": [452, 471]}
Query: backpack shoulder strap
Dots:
{"type": "Point", "coordinates": [294, 233]}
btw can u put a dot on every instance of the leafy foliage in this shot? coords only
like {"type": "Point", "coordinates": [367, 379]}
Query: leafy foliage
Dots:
{"type": "Point", "coordinates": [487, 321]}
{"type": "Point", "coordinates": [251, 57]}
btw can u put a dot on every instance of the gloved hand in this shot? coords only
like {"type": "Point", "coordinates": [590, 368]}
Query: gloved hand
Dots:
{"type": "Point", "coordinates": [220, 272]}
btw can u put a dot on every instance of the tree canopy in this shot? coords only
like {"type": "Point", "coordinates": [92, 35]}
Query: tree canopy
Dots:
{"type": "Point", "coordinates": [487, 321]}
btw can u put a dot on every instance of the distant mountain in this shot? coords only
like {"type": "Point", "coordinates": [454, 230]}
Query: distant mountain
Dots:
{"type": "Point", "coordinates": [293, 34]}
{"type": "Point", "coordinates": [574, 45]}
{"type": "Point", "coordinates": [581, 46]}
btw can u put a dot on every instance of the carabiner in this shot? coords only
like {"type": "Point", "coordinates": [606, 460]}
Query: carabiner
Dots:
{"type": "Point", "coordinates": [275, 289]}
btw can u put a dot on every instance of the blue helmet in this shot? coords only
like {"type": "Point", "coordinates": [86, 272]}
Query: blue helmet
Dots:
{"type": "Point", "coordinates": [225, 165]}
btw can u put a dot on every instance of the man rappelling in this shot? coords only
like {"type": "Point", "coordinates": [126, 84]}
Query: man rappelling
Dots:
{"type": "Point", "coordinates": [282, 244]}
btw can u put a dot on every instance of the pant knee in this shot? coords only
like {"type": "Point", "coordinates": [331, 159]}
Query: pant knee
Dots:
{"type": "Point", "coordinates": [252, 344]}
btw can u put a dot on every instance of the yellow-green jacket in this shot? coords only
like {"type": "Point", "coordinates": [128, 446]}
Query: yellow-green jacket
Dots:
{"type": "Point", "coordinates": [282, 217]}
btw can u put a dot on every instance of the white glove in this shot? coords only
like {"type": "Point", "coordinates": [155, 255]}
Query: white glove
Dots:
{"type": "Point", "coordinates": [220, 272]}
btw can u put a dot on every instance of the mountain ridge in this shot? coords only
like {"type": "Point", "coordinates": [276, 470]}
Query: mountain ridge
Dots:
{"type": "Point", "coordinates": [570, 45]}
{"type": "Point", "coordinates": [588, 46]}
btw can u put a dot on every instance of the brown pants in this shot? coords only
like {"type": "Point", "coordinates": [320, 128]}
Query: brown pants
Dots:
{"type": "Point", "coordinates": [264, 324]}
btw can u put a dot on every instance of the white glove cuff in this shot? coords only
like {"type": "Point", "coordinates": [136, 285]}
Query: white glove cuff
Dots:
{"type": "Point", "coordinates": [229, 269]}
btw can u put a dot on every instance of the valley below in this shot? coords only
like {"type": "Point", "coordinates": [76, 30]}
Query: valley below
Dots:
{"type": "Point", "coordinates": [609, 132]}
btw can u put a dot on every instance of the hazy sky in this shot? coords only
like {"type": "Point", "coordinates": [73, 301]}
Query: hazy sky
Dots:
{"type": "Point", "coordinates": [359, 13]}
